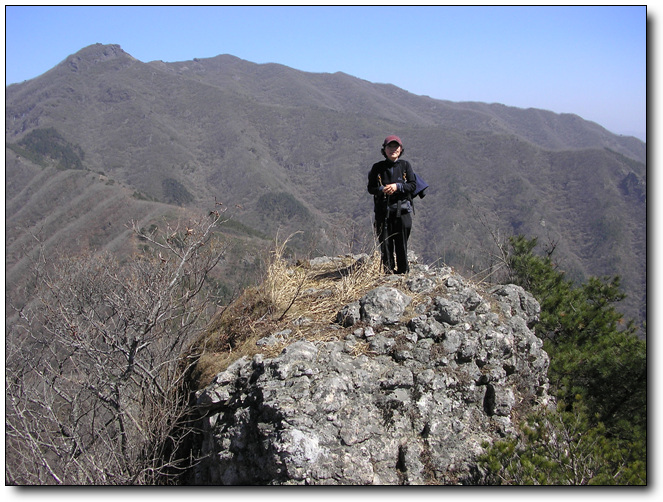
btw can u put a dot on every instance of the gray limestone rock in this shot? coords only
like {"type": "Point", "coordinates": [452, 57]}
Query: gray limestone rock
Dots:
{"type": "Point", "coordinates": [414, 407]}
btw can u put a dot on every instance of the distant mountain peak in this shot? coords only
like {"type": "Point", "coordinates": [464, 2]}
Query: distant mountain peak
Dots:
{"type": "Point", "coordinates": [95, 54]}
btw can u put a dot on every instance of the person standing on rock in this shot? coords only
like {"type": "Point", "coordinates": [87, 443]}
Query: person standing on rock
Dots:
{"type": "Point", "coordinates": [392, 183]}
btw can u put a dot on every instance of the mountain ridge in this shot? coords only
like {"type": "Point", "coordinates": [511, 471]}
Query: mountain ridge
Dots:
{"type": "Point", "coordinates": [268, 136]}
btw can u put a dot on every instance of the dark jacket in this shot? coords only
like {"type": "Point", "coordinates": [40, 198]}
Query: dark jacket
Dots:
{"type": "Point", "coordinates": [387, 172]}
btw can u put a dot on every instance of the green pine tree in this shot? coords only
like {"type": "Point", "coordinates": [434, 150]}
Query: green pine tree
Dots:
{"type": "Point", "coordinates": [598, 373]}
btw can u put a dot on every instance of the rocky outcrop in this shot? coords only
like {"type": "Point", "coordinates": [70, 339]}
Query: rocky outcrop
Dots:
{"type": "Point", "coordinates": [406, 392]}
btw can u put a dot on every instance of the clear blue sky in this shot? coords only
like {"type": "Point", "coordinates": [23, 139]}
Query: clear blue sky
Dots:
{"type": "Point", "coordinates": [590, 61]}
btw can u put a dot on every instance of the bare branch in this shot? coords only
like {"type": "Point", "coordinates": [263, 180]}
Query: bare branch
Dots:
{"type": "Point", "coordinates": [95, 379]}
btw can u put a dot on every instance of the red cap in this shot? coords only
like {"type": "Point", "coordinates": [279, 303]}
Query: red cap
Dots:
{"type": "Point", "coordinates": [391, 138]}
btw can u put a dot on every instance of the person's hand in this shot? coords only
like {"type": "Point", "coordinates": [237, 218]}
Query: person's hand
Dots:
{"type": "Point", "coordinates": [390, 189]}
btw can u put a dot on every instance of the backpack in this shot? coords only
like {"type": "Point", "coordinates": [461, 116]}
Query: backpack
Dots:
{"type": "Point", "coordinates": [420, 188]}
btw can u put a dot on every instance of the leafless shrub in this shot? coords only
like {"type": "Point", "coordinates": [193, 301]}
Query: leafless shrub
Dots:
{"type": "Point", "coordinates": [95, 375]}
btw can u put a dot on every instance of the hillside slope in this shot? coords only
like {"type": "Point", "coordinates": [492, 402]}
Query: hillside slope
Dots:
{"type": "Point", "coordinates": [289, 152]}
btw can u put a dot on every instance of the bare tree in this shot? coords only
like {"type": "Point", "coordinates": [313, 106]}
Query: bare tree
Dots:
{"type": "Point", "coordinates": [96, 365]}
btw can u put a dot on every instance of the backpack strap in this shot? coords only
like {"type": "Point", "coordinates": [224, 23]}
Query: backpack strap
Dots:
{"type": "Point", "coordinates": [409, 195]}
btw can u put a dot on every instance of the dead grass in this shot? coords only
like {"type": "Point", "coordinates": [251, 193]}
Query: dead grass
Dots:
{"type": "Point", "coordinates": [318, 292]}
{"type": "Point", "coordinates": [300, 297]}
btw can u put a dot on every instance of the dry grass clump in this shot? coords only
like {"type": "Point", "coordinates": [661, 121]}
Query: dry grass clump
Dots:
{"type": "Point", "coordinates": [303, 298]}
{"type": "Point", "coordinates": [319, 291]}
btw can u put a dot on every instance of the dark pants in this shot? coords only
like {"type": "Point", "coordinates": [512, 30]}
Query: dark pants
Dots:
{"type": "Point", "coordinates": [393, 241]}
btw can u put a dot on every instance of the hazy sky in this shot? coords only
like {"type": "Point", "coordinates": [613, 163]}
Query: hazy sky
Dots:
{"type": "Point", "coordinates": [590, 61]}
